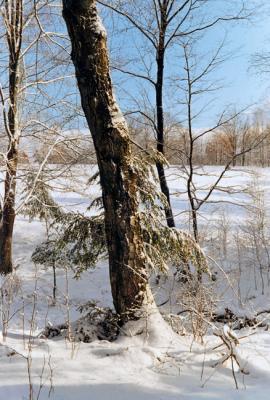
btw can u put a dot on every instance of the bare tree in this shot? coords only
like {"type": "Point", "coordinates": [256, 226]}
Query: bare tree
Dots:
{"type": "Point", "coordinates": [13, 19]}
{"type": "Point", "coordinates": [229, 128]}
{"type": "Point", "coordinates": [33, 67]}
{"type": "Point", "coordinates": [161, 24]}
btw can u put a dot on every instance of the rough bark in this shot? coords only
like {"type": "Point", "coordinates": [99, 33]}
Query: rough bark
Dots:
{"type": "Point", "coordinates": [127, 261]}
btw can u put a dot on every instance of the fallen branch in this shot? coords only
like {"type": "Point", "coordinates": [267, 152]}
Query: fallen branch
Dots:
{"type": "Point", "coordinates": [230, 341]}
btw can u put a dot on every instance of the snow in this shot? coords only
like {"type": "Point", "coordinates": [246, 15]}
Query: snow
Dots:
{"type": "Point", "coordinates": [158, 365]}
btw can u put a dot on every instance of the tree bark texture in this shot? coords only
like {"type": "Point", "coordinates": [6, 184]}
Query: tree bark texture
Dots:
{"type": "Point", "coordinates": [127, 261]}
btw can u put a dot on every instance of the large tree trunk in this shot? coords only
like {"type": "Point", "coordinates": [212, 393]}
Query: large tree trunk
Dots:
{"type": "Point", "coordinates": [127, 261]}
{"type": "Point", "coordinates": [13, 21]}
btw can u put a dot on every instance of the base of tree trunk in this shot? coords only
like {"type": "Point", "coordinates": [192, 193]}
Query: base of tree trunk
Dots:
{"type": "Point", "coordinates": [103, 324]}
{"type": "Point", "coordinates": [6, 265]}
{"type": "Point", "coordinates": [150, 327]}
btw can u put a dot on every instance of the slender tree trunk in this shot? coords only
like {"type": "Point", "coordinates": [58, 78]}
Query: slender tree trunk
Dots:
{"type": "Point", "coordinates": [127, 261]}
{"type": "Point", "coordinates": [8, 212]}
{"type": "Point", "coordinates": [13, 21]}
{"type": "Point", "coordinates": [54, 283]}
{"type": "Point", "coordinates": [160, 124]}
{"type": "Point", "coordinates": [160, 140]}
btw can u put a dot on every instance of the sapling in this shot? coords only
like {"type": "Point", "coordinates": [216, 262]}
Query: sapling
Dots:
{"type": "Point", "coordinates": [41, 205]}
{"type": "Point", "coordinates": [46, 254]}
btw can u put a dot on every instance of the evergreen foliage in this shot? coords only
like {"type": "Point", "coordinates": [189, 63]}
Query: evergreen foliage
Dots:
{"type": "Point", "coordinates": [163, 245]}
{"type": "Point", "coordinates": [78, 240]}
{"type": "Point", "coordinates": [82, 239]}
{"type": "Point", "coordinates": [38, 201]}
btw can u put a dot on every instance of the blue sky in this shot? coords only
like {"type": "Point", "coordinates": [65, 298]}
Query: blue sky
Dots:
{"type": "Point", "coordinates": [241, 86]}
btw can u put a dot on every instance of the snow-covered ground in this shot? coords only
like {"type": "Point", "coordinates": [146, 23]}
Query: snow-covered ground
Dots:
{"type": "Point", "coordinates": [160, 366]}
